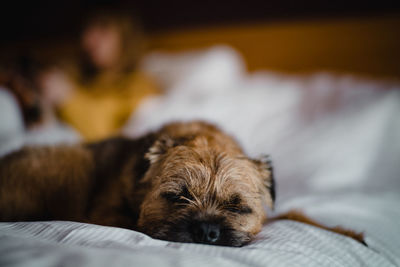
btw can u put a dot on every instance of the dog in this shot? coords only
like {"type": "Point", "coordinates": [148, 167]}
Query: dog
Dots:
{"type": "Point", "coordinates": [187, 182]}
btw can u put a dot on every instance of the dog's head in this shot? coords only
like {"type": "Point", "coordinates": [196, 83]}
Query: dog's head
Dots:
{"type": "Point", "coordinates": [204, 190]}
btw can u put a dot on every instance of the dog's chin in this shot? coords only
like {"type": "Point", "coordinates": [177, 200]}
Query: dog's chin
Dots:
{"type": "Point", "coordinates": [229, 237]}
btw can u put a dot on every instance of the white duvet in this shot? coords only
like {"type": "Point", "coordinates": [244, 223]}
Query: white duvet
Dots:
{"type": "Point", "coordinates": [334, 141]}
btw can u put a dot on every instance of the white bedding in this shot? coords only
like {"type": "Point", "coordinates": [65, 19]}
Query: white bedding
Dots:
{"type": "Point", "coordinates": [334, 141]}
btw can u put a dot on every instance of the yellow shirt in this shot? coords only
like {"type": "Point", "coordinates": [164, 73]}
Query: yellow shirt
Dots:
{"type": "Point", "coordinates": [101, 108]}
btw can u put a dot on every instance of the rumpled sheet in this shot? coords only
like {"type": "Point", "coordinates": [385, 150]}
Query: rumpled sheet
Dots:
{"type": "Point", "coordinates": [334, 141]}
{"type": "Point", "coordinates": [283, 243]}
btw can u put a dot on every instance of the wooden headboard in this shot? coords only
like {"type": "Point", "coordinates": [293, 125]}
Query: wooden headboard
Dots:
{"type": "Point", "coordinates": [365, 45]}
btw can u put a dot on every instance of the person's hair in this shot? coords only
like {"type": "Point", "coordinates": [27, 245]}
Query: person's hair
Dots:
{"type": "Point", "coordinates": [132, 41]}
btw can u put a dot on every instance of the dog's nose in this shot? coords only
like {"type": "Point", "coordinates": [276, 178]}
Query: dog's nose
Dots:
{"type": "Point", "coordinates": [204, 232]}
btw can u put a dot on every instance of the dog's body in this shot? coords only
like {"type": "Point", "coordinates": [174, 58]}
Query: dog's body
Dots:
{"type": "Point", "coordinates": [187, 176]}
{"type": "Point", "coordinates": [88, 183]}
{"type": "Point", "coordinates": [187, 182]}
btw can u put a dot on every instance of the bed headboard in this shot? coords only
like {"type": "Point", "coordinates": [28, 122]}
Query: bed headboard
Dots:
{"type": "Point", "coordinates": [363, 45]}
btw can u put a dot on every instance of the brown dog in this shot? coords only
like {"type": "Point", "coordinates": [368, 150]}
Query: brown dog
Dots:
{"type": "Point", "coordinates": [187, 182]}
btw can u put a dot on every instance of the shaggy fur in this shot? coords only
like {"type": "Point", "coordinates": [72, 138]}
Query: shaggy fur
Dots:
{"type": "Point", "coordinates": [187, 182]}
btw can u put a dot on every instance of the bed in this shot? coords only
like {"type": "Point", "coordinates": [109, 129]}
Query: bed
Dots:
{"type": "Point", "coordinates": [334, 142]}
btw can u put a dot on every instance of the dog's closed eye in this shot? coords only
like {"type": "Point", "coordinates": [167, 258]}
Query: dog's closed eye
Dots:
{"type": "Point", "coordinates": [181, 197]}
{"type": "Point", "coordinates": [235, 205]}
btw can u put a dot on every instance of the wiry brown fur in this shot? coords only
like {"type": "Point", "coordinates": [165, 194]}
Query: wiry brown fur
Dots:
{"type": "Point", "coordinates": [124, 182]}
{"type": "Point", "coordinates": [163, 184]}
{"type": "Point", "coordinates": [88, 183]}
{"type": "Point", "coordinates": [214, 169]}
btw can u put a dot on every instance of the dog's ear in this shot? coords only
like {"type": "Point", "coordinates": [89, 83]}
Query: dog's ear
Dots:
{"type": "Point", "coordinates": [265, 169]}
{"type": "Point", "coordinates": [161, 146]}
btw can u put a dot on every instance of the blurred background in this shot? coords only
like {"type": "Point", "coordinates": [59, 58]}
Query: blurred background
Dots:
{"type": "Point", "coordinates": [81, 62]}
{"type": "Point", "coordinates": [315, 84]}
{"type": "Point", "coordinates": [290, 35]}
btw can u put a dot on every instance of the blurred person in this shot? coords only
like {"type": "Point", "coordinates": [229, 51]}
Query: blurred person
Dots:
{"type": "Point", "coordinates": [27, 113]}
{"type": "Point", "coordinates": [20, 78]}
{"type": "Point", "coordinates": [17, 78]}
{"type": "Point", "coordinates": [106, 87]}
{"type": "Point", "coordinates": [38, 87]}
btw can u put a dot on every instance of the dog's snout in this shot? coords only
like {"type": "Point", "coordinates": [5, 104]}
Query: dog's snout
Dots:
{"type": "Point", "coordinates": [204, 232]}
